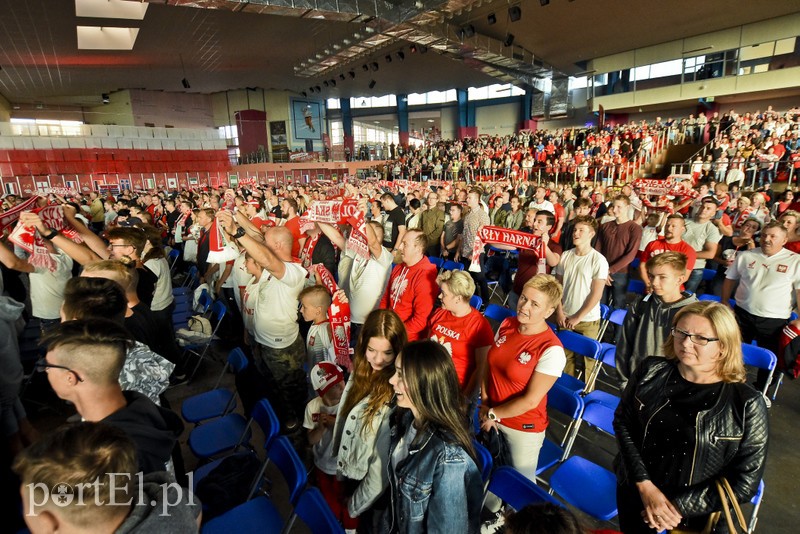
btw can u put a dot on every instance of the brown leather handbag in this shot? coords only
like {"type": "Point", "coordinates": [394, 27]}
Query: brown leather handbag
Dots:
{"type": "Point", "coordinates": [728, 500]}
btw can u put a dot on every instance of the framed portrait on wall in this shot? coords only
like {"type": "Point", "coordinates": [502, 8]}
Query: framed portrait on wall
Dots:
{"type": "Point", "coordinates": [306, 119]}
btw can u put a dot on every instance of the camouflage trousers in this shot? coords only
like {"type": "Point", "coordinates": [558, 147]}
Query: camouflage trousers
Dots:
{"type": "Point", "coordinates": [286, 378]}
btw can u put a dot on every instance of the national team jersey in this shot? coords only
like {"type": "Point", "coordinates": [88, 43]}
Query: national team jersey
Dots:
{"type": "Point", "coordinates": [461, 336]}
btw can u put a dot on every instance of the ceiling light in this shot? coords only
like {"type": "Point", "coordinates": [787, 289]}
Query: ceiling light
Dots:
{"type": "Point", "coordinates": [467, 31]}
{"type": "Point", "coordinates": [372, 84]}
{"type": "Point", "coordinates": [492, 18]}
{"type": "Point", "coordinates": [377, 122]}
{"type": "Point", "coordinates": [544, 2]}
{"type": "Point", "coordinates": [333, 83]}
{"type": "Point", "coordinates": [352, 74]}
{"type": "Point", "coordinates": [110, 9]}
{"type": "Point", "coordinates": [401, 55]}
{"type": "Point", "coordinates": [365, 67]}
{"type": "Point", "coordinates": [515, 13]}
{"type": "Point", "coordinates": [319, 56]}
{"type": "Point", "coordinates": [369, 29]}
{"type": "Point", "coordinates": [509, 39]}
{"type": "Point", "coordinates": [185, 84]}
{"type": "Point", "coordinates": [318, 88]}
{"type": "Point", "coordinates": [106, 98]}
{"type": "Point", "coordinates": [413, 48]}
{"type": "Point", "coordinates": [388, 58]}
{"type": "Point", "coordinates": [431, 120]}
{"type": "Point", "coordinates": [106, 38]}
{"type": "Point", "coordinates": [327, 51]}
{"type": "Point", "coordinates": [336, 46]}
{"type": "Point", "coordinates": [346, 41]}
{"type": "Point", "coordinates": [374, 65]}
{"type": "Point", "coordinates": [304, 94]}
{"type": "Point", "coordinates": [357, 35]}
{"type": "Point", "coordinates": [341, 77]}
{"type": "Point", "coordinates": [325, 83]}
{"type": "Point", "coordinates": [423, 49]}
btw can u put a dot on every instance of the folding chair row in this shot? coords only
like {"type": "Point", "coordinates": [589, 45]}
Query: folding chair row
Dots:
{"type": "Point", "coordinates": [216, 402]}
{"type": "Point", "coordinates": [200, 348]}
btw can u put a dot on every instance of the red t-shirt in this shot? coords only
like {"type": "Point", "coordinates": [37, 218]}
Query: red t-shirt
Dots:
{"type": "Point", "coordinates": [512, 360]}
{"type": "Point", "coordinates": [411, 293]}
{"type": "Point", "coordinates": [461, 336]}
{"type": "Point", "coordinates": [660, 245]}
{"type": "Point", "coordinates": [294, 226]}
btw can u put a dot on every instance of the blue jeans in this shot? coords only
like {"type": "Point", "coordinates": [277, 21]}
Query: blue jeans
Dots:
{"type": "Point", "coordinates": [616, 296]}
{"type": "Point", "coordinates": [694, 280]}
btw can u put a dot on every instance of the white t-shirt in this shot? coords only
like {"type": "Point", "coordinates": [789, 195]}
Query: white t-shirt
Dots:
{"type": "Point", "coordinates": [162, 296]}
{"type": "Point", "coordinates": [47, 288]}
{"type": "Point", "coordinates": [543, 205]}
{"type": "Point", "coordinates": [767, 285]}
{"type": "Point", "coordinates": [250, 298]}
{"type": "Point", "coordinates": [276, 309]}
{"type": "Point", "coordinates": [240, 278]}
{"type": "Point", "coordinates": [578, 272]}
{"type": "Point", "coordinates": [324, 455]}
{"type": "Point", "coordinates": [319, 345]}
{"type": "Point", "coordinates": [364, 281]}
{"type": "Point", "coordinates": [697, 235]}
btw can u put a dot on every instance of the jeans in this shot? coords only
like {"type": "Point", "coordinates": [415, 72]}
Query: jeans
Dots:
{"type": "Point", "coordinates": [694, 280]}
{"type": "Point", "coordinates": [616, 295]}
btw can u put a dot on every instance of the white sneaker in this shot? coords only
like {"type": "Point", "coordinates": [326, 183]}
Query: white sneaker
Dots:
{"type": "Point", "coordinates": [494, 524]}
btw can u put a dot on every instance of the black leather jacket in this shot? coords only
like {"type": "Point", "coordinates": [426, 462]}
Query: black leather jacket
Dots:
{"type": "Point", "coordinates": [731, 439]}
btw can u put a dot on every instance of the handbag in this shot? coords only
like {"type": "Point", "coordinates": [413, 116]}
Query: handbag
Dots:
{"type": "Point", "coordinates": [497, 445]}
{"type": "Point", "coordinates": [728, 500]}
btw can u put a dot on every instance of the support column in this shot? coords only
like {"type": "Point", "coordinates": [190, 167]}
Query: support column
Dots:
{"type": "Point", "coordinates": [402, 119]}
{"type": "Point", "coordinates": [527, 109]}
{"type": "Point", "coordinates": [466, 115]}
{"type": "Point", "coordinates": [347, 125]}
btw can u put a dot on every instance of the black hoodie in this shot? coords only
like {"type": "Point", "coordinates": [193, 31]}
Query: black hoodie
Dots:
{"type": "Point", "coordinates": [153, 429]}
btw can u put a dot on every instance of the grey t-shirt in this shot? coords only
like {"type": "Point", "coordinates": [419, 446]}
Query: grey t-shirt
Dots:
{"type": "Point", "coordinates": [698, 234]}
{"type": "Point", "coordinates": [150, 514]}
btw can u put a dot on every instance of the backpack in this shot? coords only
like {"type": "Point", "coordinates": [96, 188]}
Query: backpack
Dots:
{"type": "Point", "coordinates": [227, 485]}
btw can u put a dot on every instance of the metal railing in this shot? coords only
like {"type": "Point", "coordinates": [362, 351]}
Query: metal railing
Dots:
{"type": "Point", "coordinates": [748, 174]}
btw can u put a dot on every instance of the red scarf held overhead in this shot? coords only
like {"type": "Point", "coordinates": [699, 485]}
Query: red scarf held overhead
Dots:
{"type": "Point", "coordinates": [503, 236]}
{"type": "Point", "coordinates": [308, 250]}
{"type": "Point", "coordinates": [339, 317]}
{"type": "Point", "coordinates": [339, 212]}
{"type": "Point", "coordinates": [33, 243]}
{"type": "Point", "coordinates": [7, 218]}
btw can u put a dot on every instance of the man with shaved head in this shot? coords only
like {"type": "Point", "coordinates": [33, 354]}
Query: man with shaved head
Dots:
{"type": "Point", "coordinates": [279, 349]}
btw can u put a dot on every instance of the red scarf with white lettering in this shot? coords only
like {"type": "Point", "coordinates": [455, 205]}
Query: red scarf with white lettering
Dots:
{"type": "Point", "coordinates": [339, 316]}
{"type": "Point", "coordinates": [504, 236]}
{"type": "Point", "coordinates": [336, 212]}
{"type": "Point", "coordinates": [9, 217]}
{"type": "Point", "coordinates": [32, 242]}
{"type": "Point", "coordinates": [308, 250]}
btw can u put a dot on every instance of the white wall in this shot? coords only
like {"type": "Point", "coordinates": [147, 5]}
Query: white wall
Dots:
{"type": "Point", "coordinates": [179, 110]}
{"type": "Point", "coordinates": [501, 119]}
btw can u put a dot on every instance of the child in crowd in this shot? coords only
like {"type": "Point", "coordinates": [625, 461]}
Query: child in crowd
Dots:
{"type": "Point", "coordinates": [314, 304]}
{"type": "Point", "coordinates": [651, 230]}
{"type": "Point", "coordinates": [327, 379]}
{"type": "Point", "coordinates": [649, 319]}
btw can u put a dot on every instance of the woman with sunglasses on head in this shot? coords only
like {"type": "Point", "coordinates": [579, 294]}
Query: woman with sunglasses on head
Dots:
{"type": "Point", "coordinates": [686, 420]}
{"type": "Point", "coordinates": [434, 479]}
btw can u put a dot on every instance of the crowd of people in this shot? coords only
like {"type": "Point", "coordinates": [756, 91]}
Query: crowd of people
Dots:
{"type": "Point", "coordinates": [389, 425]}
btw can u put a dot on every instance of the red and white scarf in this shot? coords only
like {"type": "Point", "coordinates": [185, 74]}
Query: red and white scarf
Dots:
{"type": "Point", "coordinates": [33, 243]}
{"type": "Point", "coordinates": [7, 218]}
{"type": "Point", "coordinates": [308, 250]}
{"type": "Point", "coordinates": [338, 212]}
{"type": "Point", "coordinates": [220, 250]}
{"type": "Point", "coordinates": [339, 316]}
{"type": "Point", "coordinates": [504, 236]}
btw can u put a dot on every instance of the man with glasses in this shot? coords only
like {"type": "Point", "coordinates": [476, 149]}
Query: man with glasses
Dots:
{"type": "Point", "coordinates": [83, 363]}
{"type": "Point", "coordinates": [768, 291]}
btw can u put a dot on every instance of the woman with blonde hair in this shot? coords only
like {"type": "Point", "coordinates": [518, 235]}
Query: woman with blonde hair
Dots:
{"type": "Point", "coordinates": [461, 329]}
{"type": "Point", "coordinates": [361, 433]}
{"type": "Point", "coordinates": [686, 420]}
{"type": "Point", "coordinates": [524, 362]}
{"type": "Point", "coordinates": [435, 483]}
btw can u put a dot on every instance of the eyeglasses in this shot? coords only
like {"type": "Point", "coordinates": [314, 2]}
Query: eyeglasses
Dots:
{"type": "Point", "coordinates": [114, 246]}
{"type": "Point", "coordinates": [43, 365]}
{"type": "Point", "coordinates": [697, 339]}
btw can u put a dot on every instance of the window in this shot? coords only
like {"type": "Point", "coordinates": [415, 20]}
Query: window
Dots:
{"type": "Point", "coordinates": [231, 135]}
{"type": "Point", "coordinates": [333, 103]}
{"type": "Point", "coordinates": [373, 101]}
{"type": "Point", "coordinates": [578, 83]}
{"type": "Point", "coordinates": [432, 97]}
{"type": "Point", "coordinates": [337, 132]}
{"type": "Point", "coordinates": [44, 127]}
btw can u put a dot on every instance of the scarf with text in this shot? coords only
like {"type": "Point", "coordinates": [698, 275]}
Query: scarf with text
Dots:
{"type": "Point", "coordinates": [308, 250]}
{"type": "Point", "coordinates": [339, 316]}
{"type": "Point", "coordinates": [32, 242]}
{"type": "Point", "coordinates": [220, 249]}
{"type": "Point", "coordinates": [338, 212]}
{"type": "Point", "coordinates": [504, 236]}
{"type": "Point", "coordinates": [9, 217]}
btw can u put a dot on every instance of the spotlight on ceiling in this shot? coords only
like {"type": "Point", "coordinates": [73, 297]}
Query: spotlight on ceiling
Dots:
{"type": "Point", "coordinates": [311, 89]}
{"type": "Point", "coordinates": [401, 55]}
{"type": "Point", "coordinates": [325, 83]}
{"type": "Point", "coordinates": [352, 74]}
{"type": "Point", "coordinates": [341, 77]}
{"type": "Point", "coordinates": [304, 94]}
{"type": "Point", "coordinates": [492, 18]}
{"type": "Point", "coordinates": [509, 39]}
{"type": "Point", "coordinates": [467, 31]}
{"type": "Point", "coordinates": [515, 13]}
{"type": "Point", "coordinates": [423, 49]}
{"type": "Point", "coordinates": [106, 98]}
{"type": "Point", "coordinates": [365, 67]}
{"type": "Point", "coordinates": [413, 48]}
{"type": "Point", "coordinates": [318, 88]}
{"type": "Point", "coordinates": [333, 83]}
{"type": "Point", "coordinates": [374, 66]}
{"type": "Point", "coordinates": [544, 2]}
{"type": "Point", "coordinates": [185, 84]}
{"type": "Point", "coordinates": [388, 58]}
{"type": "Point", "coordinates": [372, 84]}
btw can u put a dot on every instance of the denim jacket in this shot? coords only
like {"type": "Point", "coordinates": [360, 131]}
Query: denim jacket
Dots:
{"type": "Point", "coordinates": [362, 453]}
{"type": "Point", "coordinates": [437, 488]}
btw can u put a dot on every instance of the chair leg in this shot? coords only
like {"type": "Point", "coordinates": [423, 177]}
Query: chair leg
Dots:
{"type": "Point", "coordinates": [777, 386]}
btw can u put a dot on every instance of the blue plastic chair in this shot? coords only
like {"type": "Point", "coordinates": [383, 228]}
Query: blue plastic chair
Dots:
{"type": "Point", "coordinates": [485, 462]}
{"type": "Point", "coordinates": [715, 298]}
{"type": "Point", "coordinates": [450, 265]}
{"type": "Point", "coordinates": [192, 278]}
{"type": "Point", "coordinates": [218, 401]}
{"type": "Point", "coordinates": [570, 404]}
{"type": "Point", "coordinates": [756, 500]}
{"type": "Point", "coordinates": [605, 311]}
{"type": "Point", "coordinates": [172, 258]}
{"type": "Point", "coordinates": [497, 313]}
{"type": "Point", "coordinates": [709, 274]}
{"type": "Point", "coordinates": [204, 303]}
{"type": "Point", "coordinates": [315, 513]}
{"type": "Point", "coordinates": [616, 316]}
{"type": "Point", "coordinates": [476, 302]}
{"type": "Point", "coordinates": [760, 358]}
{"type": "Point", "coordinates": [636, 286]}
{"type": "Point", "coordinates": [436, 261]}
{"type": "Point", "coordinates": [584, 484]}
{"type": "Point", "coordinates": [264, 416]}
{"type": "Point", "coordinates": [581, 345]}
{"type": "Point", "coordinates": [511, 487]}
{"type": "Point", "coordinates": [260, 514]}
{"type": "Point", "coordinates": [218, 311]}
{"type": "Point", "coordinates": [222, 435]}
